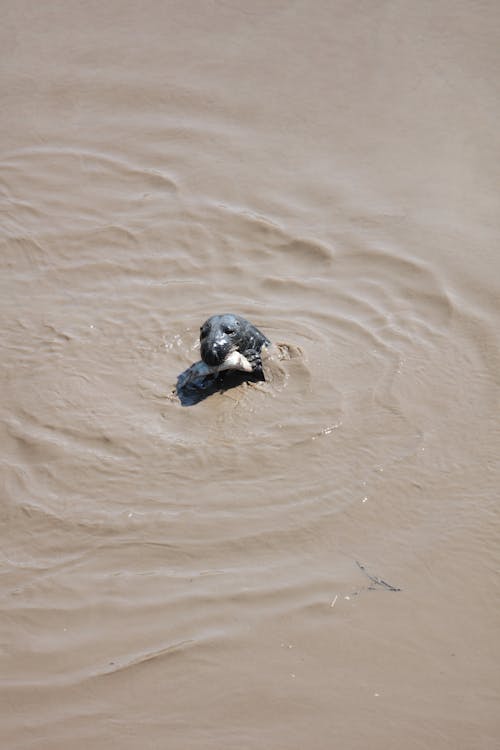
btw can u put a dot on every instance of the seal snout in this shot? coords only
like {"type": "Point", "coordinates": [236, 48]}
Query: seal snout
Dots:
{"type": "Point", "coordinates": [215, 350]}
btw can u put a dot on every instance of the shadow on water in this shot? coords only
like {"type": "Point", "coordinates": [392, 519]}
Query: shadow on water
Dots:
{"type": "Point", "coordinates": [194, 386]}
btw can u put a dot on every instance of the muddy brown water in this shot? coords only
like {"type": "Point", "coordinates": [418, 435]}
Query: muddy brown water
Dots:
{"type": "Point", "coordinates": [223, 575]}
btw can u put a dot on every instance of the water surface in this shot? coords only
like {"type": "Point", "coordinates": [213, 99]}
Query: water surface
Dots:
{"type": "Point", "coordinates": [222, 575]}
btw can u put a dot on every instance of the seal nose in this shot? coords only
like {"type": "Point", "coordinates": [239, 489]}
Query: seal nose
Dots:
{"type": "Point", "coordinates": [214, 351]}
{"type": "Point", "coordinates": [219, 348]}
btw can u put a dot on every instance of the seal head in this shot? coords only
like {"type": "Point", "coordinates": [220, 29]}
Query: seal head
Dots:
{"type": "Point", "coordinates": [224, 337]}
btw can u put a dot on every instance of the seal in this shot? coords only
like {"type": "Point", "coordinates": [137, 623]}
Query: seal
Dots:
{"type": "Point", "coordinates": [230, 355]}
{"type": "Point", "coordinates": [224, 337]}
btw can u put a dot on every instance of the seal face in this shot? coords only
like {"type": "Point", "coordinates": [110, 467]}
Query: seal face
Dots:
{"type": "Point", "coordinates": [224, 337]}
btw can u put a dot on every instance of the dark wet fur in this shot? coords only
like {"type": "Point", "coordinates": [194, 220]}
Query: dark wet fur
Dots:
{"type": "Point", "coordinates": [222, 334]}
{"type": "Point", "coordinates": [219, 336]}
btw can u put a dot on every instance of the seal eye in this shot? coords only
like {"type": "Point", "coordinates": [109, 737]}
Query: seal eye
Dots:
{"type": "Point", "coordinates": [203, 332]}
{"type": "Point", "coordinates": [229, 330]}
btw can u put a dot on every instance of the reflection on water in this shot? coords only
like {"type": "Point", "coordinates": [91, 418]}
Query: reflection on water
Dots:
{"type": "Point", "coordinates": [196, 384]}
{"type": "Point", "coordinates": [204, 577]}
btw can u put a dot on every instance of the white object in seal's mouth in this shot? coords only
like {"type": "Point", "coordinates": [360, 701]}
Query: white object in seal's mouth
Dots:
{"type": "Point", "coordinates": [235, 361]}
